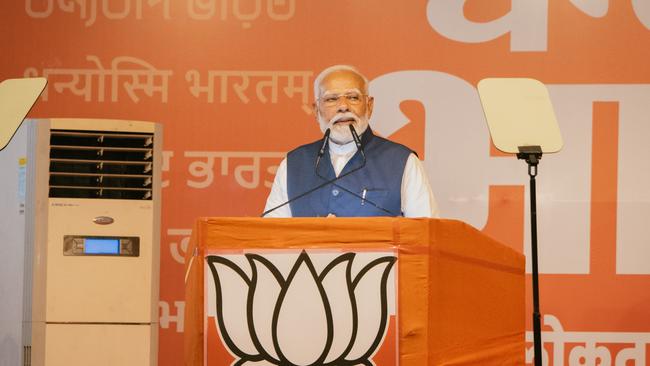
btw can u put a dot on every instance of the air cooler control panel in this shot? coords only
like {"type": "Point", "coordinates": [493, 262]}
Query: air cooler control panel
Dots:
{"type": "Point", "coordinates": [81, 245]}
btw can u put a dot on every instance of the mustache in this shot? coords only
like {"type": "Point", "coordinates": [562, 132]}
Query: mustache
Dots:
{"type": "Point", "coordinates": [345, 115]}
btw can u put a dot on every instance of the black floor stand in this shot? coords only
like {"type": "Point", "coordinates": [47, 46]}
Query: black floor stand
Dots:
{"type": "Point", "coordinates": [532, 155]}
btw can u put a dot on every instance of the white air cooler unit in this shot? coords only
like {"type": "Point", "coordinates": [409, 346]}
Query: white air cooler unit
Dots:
{"type": "Point", "coordinates": [89, 237]}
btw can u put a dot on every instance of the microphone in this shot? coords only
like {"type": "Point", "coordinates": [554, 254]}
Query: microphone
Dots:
{"type": "Point", "coordinates": [326, 139]}
{"type": "Point", "coordinates": [321, 152]}
{"type": "Point", "coordinates": [357, 141]}
{"type": "Point", "coordinates": [313, 189]}
{"type": "Point", "coordinates": [361, 196]}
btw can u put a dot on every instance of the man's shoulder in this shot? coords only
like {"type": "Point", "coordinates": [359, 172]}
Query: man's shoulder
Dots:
{"type": "Point", "coordinates": [308, 148]}
{"type": "Point", "coordinates": [385, 143]}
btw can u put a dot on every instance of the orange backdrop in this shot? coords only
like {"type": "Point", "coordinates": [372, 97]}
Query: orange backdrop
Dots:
{"type": "Point", "coordinates": [230, 80]}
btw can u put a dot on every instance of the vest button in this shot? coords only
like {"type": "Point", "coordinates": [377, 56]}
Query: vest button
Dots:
{"type": "Point", "coordinates": [335, 192]}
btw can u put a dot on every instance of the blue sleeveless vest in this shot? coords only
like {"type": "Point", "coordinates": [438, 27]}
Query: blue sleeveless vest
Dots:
{"type": "Point", "coordinates": [381, 178]}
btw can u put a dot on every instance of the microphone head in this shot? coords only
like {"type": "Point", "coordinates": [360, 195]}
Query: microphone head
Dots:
{"type": "Point", "coordinates": [321, 152]}
{"type": "Point", "coordinates": [326, 138]}
{"type": "Point", "coordinates": [355, 136]}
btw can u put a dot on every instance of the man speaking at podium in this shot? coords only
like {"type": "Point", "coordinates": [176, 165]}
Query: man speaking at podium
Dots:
{"type": "Point", "coordinates": [350, 171]}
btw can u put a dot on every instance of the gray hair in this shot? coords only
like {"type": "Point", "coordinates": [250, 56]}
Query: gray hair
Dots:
{"type": "Point", "coordinates": [332, 69]}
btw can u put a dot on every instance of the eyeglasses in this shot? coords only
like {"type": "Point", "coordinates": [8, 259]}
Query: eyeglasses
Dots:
{"type": "Point", "coordinates": [334, 99]}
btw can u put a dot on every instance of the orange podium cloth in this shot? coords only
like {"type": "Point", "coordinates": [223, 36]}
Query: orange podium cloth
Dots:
{"type": "Point", "coordinates": [460, 293]}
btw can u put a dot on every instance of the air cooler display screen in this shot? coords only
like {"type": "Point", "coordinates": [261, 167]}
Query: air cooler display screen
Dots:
{"type": "Point", "coordinates": [102, 246]}
{"type": "Point", "coordinates": [92, 246]}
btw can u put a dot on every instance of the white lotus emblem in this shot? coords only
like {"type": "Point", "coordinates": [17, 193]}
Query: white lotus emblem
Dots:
{"type": "Point", "coordinates": [305, 319]}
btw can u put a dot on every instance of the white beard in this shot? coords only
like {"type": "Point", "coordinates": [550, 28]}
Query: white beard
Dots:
{"type": "Point", "coordinates": [340, 132]}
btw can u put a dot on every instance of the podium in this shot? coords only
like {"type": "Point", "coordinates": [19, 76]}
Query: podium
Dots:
{"type": "Point", "coordinates": [355, 291]}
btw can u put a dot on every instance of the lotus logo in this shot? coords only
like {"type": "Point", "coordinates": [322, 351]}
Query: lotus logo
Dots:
{"type": "Point", "coordinates": [337, 315]}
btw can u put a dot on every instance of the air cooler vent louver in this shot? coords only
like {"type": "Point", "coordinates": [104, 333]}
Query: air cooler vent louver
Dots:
{"type": "Point", "coordinates": [101, 164]}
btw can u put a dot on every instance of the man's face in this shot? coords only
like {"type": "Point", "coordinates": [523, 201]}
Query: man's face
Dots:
{"type": "Point", "coordinates": [342, 103]}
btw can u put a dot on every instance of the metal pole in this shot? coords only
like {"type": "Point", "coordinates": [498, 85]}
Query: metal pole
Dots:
{"type": "Point", "coordinates": [537, 325]}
